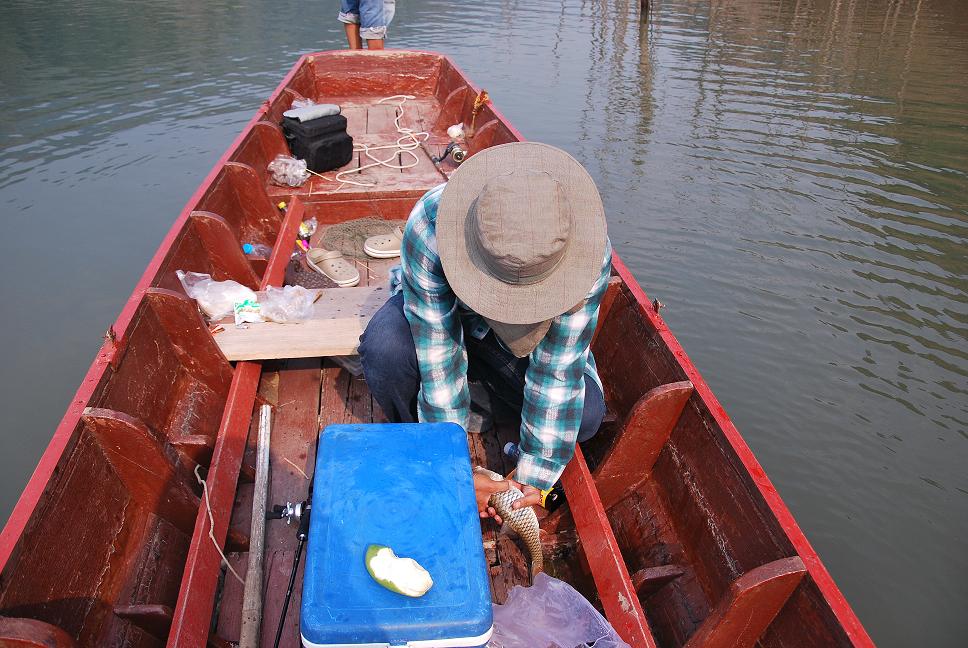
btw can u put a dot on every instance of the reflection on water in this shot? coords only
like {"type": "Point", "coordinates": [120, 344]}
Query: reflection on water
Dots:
{"type": "Point", "coordinates": [789, 176]}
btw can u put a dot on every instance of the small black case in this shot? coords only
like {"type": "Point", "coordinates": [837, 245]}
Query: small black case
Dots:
{"type": "Point", "coordinates": [323, 143]}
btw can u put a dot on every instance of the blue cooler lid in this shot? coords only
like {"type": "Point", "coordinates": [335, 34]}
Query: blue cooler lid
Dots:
{"type": "Point", "coordinates": [409, 487]}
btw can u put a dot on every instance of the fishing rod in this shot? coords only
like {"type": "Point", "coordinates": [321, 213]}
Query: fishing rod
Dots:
{"type": "Point", "coordinates": [299, 512]}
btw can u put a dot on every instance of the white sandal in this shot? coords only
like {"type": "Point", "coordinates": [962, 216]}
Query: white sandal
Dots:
{"type": "Point", "coordinates": [331, 264]}
{"type": "Point", "coordinates": [384, 246]}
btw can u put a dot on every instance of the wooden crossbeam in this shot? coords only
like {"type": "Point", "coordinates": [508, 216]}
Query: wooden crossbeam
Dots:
{"type": "Point", "coordinates": [618, 595]}
{"type": "Point", "coordinates": [752, 602]}
{"type": "Point", "coordinates": [643, 435]}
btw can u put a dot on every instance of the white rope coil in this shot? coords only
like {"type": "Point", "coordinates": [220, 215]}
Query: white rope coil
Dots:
{"type": "Point", "coordinates": [409, 141]}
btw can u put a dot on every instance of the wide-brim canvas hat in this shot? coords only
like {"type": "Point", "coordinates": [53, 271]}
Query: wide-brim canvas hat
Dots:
{"type": "Point", "coordinates": [521, 235]}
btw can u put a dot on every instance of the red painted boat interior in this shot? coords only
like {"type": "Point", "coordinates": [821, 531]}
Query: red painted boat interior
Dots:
{"type": "Point", "coordinates": [672, 529]}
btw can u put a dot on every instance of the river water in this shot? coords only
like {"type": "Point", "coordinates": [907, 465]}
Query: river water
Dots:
{"type": "Point", "coordinates": [790, 177]}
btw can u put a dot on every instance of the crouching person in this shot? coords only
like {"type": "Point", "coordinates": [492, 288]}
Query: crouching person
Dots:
{"type": "Point", "coordinates": [502, 272]}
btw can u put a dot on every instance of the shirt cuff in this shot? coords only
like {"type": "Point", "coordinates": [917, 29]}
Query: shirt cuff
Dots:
{"type": "Point", "coordinates": [538, 472]}
{"type": "Point", "coordinates": [428, 414]}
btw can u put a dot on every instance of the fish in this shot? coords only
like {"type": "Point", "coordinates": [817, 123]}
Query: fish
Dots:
{"type": "Point", "coordinates": [523, 521]}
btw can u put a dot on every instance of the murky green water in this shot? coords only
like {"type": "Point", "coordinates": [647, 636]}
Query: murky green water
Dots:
{"type": "Point", "coordinates": [790, 177]}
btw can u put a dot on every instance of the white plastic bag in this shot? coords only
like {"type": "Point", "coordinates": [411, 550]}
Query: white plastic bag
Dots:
{"type": "Point", "coordinates": [550, 614]}
{"type": "Point", "coordinates": [286, 304]}
{"type": "Point", "coordinates": [288, 171]}
{"type": "Point", "coordinates": [215, 298]}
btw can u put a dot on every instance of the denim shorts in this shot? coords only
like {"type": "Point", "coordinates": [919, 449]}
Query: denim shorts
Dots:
{"type": "Point", "coordinates": [373, 16]}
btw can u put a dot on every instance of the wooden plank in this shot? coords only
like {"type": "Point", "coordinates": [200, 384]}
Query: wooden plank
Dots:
{"type": "Point", "coordinates": [339, 318]}
{"type": "Point", "coordinates": [644, 433]}
{"type": "Point", "coordinates": [295, 426]}
{"type": "Point", "coordinates": [380, 119]}
{"type": "Point", "coordinates": [355, 119]}
{"type": "Point", "coordinates": [278, 568]}
{"type": "Point", "coordinates": [618, 596]}
{"type": "Point", "coordinates": [376, 272]}
{"type": "Point", "coordinates": [752, 602]}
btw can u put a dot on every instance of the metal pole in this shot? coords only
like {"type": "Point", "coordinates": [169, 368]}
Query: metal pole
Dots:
{"type": "Point", "coordinates": [252, 600]}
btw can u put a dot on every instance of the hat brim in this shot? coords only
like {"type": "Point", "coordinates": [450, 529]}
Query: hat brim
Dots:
{"type": "Point", "coordinates": [578, 269]}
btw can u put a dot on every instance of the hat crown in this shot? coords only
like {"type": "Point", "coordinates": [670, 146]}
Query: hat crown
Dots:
{"type": "Point", "coordinates": [522, 226]}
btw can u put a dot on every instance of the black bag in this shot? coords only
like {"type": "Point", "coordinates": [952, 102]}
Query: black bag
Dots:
{"type": "Point", "coordinates": [323, 142]}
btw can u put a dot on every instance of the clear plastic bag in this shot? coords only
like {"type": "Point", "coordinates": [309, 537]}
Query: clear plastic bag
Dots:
{"type": "Point", "coordinates": [302, 103]}
{"type": "Point", "coordinates": [550, 614]}
{"type": "Point", "coordinates": [215, 298]}
{"type": "Point", "coordinates": [288, 171]}
{"type": "Point", "coordinates": [286, 304]}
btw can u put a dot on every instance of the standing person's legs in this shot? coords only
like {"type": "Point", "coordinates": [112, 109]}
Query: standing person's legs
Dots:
{"type": "Point", "coordinates": [375, 17]}
{"type": "Point", "coordinates": [389, 361]}
{"type": "Point", "coordinates": [349, 15]}
{"type": "Point", "coordinates": [504, 375]}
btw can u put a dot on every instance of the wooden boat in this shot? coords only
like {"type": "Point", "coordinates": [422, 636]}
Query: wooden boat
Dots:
{"type": "Point", "coordinates": [672, 528]}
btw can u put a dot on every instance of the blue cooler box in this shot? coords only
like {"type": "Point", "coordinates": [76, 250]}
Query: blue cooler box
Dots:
{"type": "Point", "coordinates": [409, 487]}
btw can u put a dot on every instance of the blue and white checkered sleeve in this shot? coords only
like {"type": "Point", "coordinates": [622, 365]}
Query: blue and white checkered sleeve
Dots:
{"type": "Point", "coordinates": [431, 308]}
{"type": "Point", "coordinates": [554, 390]}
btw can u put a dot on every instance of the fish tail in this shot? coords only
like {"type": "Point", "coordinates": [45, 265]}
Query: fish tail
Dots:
{"type": "Point", "coordinates": [537, 558]}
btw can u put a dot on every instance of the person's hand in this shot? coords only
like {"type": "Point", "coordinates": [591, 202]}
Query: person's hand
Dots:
{"type": "Point", "coordinates": [532, 496]}
{"type": "Point", "coordinates": [484, 487]}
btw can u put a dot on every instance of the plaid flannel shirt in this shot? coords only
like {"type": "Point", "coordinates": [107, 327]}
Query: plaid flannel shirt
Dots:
{"type": "Point", "coordinates": [554, 392]}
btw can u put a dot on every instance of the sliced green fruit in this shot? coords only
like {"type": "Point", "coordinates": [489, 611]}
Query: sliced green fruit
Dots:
{"type": "Point", "coordinates": [401, 575]}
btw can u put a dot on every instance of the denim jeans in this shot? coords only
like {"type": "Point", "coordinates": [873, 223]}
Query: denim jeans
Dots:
{"type": "Point", "coordinates": [373, 16]}
{"type": "Point", "coordinates": [389, 361]}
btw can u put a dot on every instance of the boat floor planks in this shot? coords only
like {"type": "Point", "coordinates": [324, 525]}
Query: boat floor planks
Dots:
{"type": "Point", "coordinates": [698, 532]}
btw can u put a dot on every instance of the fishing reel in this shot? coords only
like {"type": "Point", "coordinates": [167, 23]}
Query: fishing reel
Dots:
{"type": "Point", "coordinates": [290, 512]}
{"type": "Point", "coordinates": [454, 151]}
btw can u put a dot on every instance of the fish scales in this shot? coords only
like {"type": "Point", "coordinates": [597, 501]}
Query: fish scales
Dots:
{"type": "Point", "coordinates": [523, 521]}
